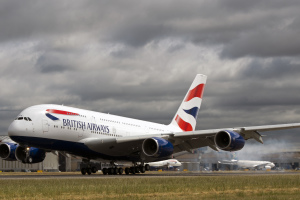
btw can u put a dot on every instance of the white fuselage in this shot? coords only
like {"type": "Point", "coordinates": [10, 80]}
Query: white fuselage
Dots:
{"type": "Point", "coordinates": [249, 164]}
{"type": "Point", "coordinates": [167, 163]}
{"type": "Point", "coordinates": [63, 128]}
{"type": "Point", "coordinates": [255, 164]}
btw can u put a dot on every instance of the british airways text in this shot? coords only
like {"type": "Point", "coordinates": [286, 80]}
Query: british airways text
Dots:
{"type": "Point", "coordinates": [83, 125]}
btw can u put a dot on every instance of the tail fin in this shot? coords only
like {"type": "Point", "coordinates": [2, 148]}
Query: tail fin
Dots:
{"type": "Point", "coordinates": [186, 116]}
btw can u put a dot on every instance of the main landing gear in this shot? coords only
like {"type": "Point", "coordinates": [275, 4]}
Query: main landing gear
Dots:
{"type": "Point", "coordinates": [87, 167]}
{"type": "Point", "coordinates": [135, 169]}
{"type": "Point", "coordinates": [114, 170]}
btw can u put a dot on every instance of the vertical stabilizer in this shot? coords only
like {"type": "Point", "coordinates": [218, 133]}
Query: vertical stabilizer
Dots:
{"type": "Point", "coordinates": [186, 116]}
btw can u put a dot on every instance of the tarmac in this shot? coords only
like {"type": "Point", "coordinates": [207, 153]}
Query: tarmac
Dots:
{"type": "Point", "coordinates": [151, 174]}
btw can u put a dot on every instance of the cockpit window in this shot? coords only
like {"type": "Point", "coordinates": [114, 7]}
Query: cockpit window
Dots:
{"type": "Point", "coordinates": [23, 118]}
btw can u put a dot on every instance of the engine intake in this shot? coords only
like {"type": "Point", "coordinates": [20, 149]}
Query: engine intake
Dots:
{"type": "Point", "coordinates": [229, 141]}
{"type": "Point", "coordinates": [7, 151]}
{"type": "Point", "coordinates": [30, 154]}
{"type": "Point", "coordinates": [157, 147]}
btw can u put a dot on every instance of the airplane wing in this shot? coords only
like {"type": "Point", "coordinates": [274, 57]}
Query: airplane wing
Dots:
{"type": "Point", "coordinates": [181, 141]}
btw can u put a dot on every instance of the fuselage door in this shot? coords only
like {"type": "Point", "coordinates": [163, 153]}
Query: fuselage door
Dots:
{"type": "Point", "coordinates": [45, 126]}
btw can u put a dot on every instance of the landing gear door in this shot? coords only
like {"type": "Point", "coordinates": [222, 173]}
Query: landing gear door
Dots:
{"type": "Point", "coordinates": [45, 126]}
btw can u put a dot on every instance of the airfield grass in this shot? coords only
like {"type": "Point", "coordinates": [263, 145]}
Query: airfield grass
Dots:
{"type": "Point", "coordinates": [199, 187]}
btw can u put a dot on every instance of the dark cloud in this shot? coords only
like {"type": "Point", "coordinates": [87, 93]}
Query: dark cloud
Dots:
{"type": "Point", "coordinates": [138, 59]}
{"type": "Point", "coordinates": [276, 68]}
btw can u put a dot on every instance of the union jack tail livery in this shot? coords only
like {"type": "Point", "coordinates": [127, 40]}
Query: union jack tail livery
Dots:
{"type": "Point", "coordinates": [186, 116]}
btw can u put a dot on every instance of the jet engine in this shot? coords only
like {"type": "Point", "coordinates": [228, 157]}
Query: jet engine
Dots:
{"type": "Point", "coordinates": [30, 154]}
{"type": "Point", "coordinates": [229, 141]}
{"type": "Point", "coordinates": [157, 147]}
{"type": "Point", "coordinates": [7, 151]}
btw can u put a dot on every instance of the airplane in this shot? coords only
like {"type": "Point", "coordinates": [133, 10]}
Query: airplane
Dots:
{"type": "Point", "coordinates": [165, 163]}
{"type": "Point", "coordinates": [92, 135]}
{"type": "Point", "coordinates": [249, 164]}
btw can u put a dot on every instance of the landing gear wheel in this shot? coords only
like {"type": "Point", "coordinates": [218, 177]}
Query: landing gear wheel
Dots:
{"type": "Point", "coordinates": [104, 171]}
{"type": "Point", "coordinates": [110, 171]}
{"type": "Point", "coordinates": [120, 171]}
{"type": "Point", "coordinates": [137, 170]}
{"type": "Point", "coordinates": [132, 170]}
{"type": "Point", "coordinates": [147, 167]}
{"type": "Point", "coordinates": [94, 169]}
{"type": "Point", "coordinates": [89, 171]}
{"type": "Point", "coordinates": [115, 171]}
{"type": "Point", "coordinates": [83, 171]}
{"type": "Point", "coordinates": [142, 169]}
{"type": "Point", "coordinates": [127, 171]}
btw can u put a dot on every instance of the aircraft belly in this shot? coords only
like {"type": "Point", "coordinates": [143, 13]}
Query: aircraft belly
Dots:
{"type": "Point", "coordinates": [78, 149]}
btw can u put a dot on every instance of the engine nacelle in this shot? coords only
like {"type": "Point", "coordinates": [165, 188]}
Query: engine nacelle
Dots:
{"type": "Point", "coordinates": [7, 151]}
{"type": "Point", "coordinates": [229, 141]}
{"type": "Point", "coordinates": [157, 147]}
{"type": "Point", "coordinates": [30, 154]}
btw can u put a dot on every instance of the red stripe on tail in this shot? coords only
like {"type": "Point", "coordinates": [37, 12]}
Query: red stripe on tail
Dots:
{"type": "Point", "coordinates": [196, 92]}
{"type": "Point", "coordinates": [185, 126]}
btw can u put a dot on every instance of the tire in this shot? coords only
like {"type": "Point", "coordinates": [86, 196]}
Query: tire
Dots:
{"type": "Point", "coordinates": [137, 170]}
{"type": "Point", "coordinates": [104, 171]}
{"type": "Point", "coordinates": [132, 170]}
{"type": "Point", "coordinates": [110, 171]}
{"type": "Point", "coordinates": [115, 171]}
{"type": "Point", "coordinates": [142, 169]}
{"type": "Point", "coordinates": [83, 171]}
{"type": "Point", "coordinates": [127, 171]}
{"type": "Point", "coordinates": [120, 171]}
{"type": "Point", "coordinates": [89, 171]}
{"type": "Point", "coordinates": [94, 170]}
{"type": "Point", "coordinates": [147, 167]}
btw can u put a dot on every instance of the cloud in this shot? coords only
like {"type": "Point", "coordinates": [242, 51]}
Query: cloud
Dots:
{"type": "Point", "coordinates": [138, 59]}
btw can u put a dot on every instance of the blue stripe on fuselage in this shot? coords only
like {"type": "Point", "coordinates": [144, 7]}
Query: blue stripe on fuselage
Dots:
{"type": "Point", "coordinates": [51, 117]}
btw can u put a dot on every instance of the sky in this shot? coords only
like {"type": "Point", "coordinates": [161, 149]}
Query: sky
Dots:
{"type": "Point", "coordinates": [138, 58]}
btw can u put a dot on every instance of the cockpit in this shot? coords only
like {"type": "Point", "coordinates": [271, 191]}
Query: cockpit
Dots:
{"type": "Point", "coordinates": [23, 118]}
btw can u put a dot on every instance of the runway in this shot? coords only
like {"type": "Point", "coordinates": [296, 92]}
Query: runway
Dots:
{"type": "Point", "coordinates": [99, 175]}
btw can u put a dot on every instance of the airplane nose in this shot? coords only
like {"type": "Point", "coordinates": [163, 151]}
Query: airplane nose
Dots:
{"type": "Point", "coordinates": [13, 129]}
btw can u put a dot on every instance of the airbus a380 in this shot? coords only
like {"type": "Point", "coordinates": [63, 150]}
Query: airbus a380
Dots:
{"type": "Point", "coordinates": [94, 135]}
{"type": "Point", "coordinates": [249, 164]}
{"type": "Point", "coordinates": [165, 163]}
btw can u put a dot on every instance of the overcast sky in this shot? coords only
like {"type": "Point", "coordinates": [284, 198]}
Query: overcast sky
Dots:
{"type": "Point", "coordinates": [138, 58]}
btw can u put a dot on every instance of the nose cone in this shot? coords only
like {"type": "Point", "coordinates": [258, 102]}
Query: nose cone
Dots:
{"type": "Point", "coordinates": [14, 129]}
